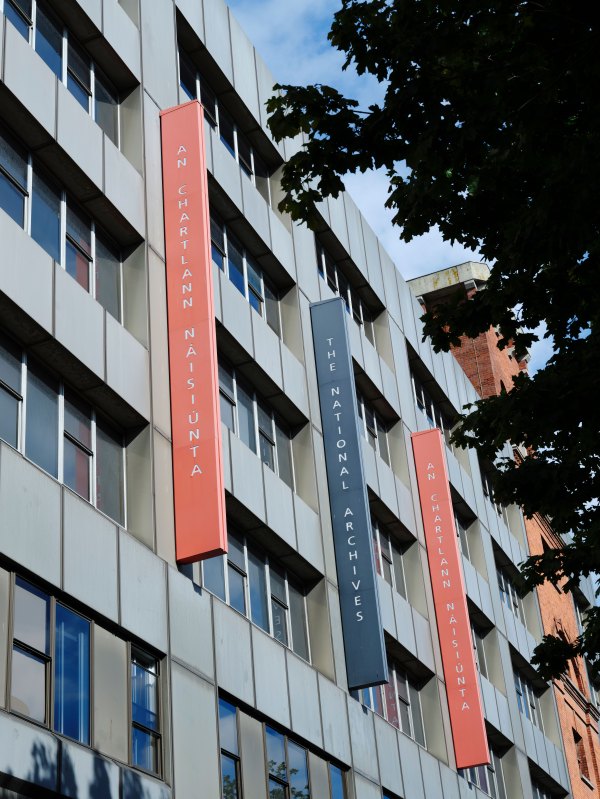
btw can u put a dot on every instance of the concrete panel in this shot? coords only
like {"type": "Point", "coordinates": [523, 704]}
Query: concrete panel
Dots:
{"type": "Point", "coordinates": [124, 37]}
{"type": "Point", "coordinates": [190, 623]}
{"type": "Point", "coordinates": [236, 314]}
{"type": "Point", "coordinates": [355, 237]}
{"type": "Point", "coordinates": [78, 135]}
{"type": "Point", "coordinates": [4, 640]}
{"type": "Point", "coordinates": [506, 727]}
{"type": "Point", "coordinates": [159, 63]}
{"type": "Point", "coordinates": [194, 734]}
{"type": "Point", "coordinates": [306, 261]}
{"type": "Point", "coordinates": [337, 220]}
{"type": "Point", "coordinates": [153, 182]}
{"type": "Point", "coordinates": [294, 380]}
{"type": "Point", "coordinates": [387, 752]}
{"type": "Point", "coordinates": [265, 82]}
{"type": "Point", "coordinates": [304, 700]}
{"type": "Point", "coordinates": [369, 466]}
{"type": "Point", "coordinates": [309, 539]}
{"type": "Point", "coordinates": [387, 486]}
{"type": "Point", "coordinates": [30, 513]}
{"type": "Point", "coordinates": [25, 264]}
{"type": "Point", "coordinates": [266, 348]}
{"type": "Point", "coordinates": [423, 640]}
{"type": "Point", "coordinates": [139, 786]}
{"type": "Point", "coordinates": [28, 753]}
{"type": "Point", "coordinates": [529, 739]}
{"type": "Point", "coordinates": [388, 274]}
{"type": "Point", "coordinates": [270, 677]}
{"type": "Point", "coordinates": [404, 623]}
{"type": "Point", "coordinates": [485, 596]}
{"type": "Point", "coordinates": [374, 266]}
{"type": "Point", "coordinates": [405, 507]}
{"type": "Point", "coordinates": [256, 210]}
{"type": "Point", "coordinates": [318, 770]}
{"type": "Point", "coordinates": [336, 738]}
{"type": "Point", "coordinates": [411, 775]}
{"type": "Point", "coordinates": [84, 773]}
{"type": "Point", "coordinates": [471, 582]}
{"type": "Point", "coordinates": [110, 704]}
{"type": "Point", "coordinates": [410, 310]}
{"type": "Point", "coordinates": [450, 782]}
{"type": "Point", "coordinates": [371, 363]}
{"type": "Point", "coordinates": [216, 26]}
{"type": "Point", "coordinates": [93, 8]}
{"type": "Point", "coordinates": [252, 756]}
{"type": "Point", "coordinates": [163, 499]}
{"type": "Point", "coordinates": [336, 637]}
{"type": "Point", "coordinates": [430, 768]}
{"type": "Point", "coordinates": [194, 13]}
{"type": "Point", "coordinates": [79, 321]}
{"type": "Point", "coordinates": [143, 592]}
{"type": "Point", "coordinates": [389, 386]}
{"type": "Point", "coordinates": [540, 745]}
{"type": "Point", "coordinates": [127, 367]}
{"type": "Point", "coordinates": [90, 556]}
{"type": "Point", "coordinates": [124, 186]}
{"type": "Point", "coordinates": [365, 789]}
{"type": "Point", "coordinates": [362, 738]}
{"type": "Point", "coordinates": [244, 71]}
{"type": "Point", "coordinates": [159, 353]}
{"type": "Point", "coordinates": [29, 79]}
{"type": "Point", "coordinates": [386, 605]}
{"type": "Point", "coordinates": [233, 653]}
{"type": "Point", "coordinates": [488, 694]}
{"type": "Point", "coordinates": [247, 479]}
{"type": "Point", "coordinates": [281, 244]}
{"type": "Point", "coordinates": [225, 169]}
{"type": "Point", "coordinates": [510, 626]}
{"type": "Point", "coordinates": [279, 506]}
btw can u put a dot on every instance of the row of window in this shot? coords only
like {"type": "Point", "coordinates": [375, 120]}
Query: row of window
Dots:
{"type": "Point", "coordinates": [388, 557]}
{"type": "Point", "coordinates": [244, 272]}
{"type": "Point", "coordinates": [286, 763]}
{"type": "Point", "coordinates": [60, 432]}
{"type": "Point", "coordinates": [510, 595]}
{"type": "Point", "coordinates": [196, 87]}
{"type": "Point", "coordinates": [527, 699]}
{"type": "Point", "coordinates": [489, 779]}
{"type": "Point", "coordinates": [258, 426]}
{"type": "Point", "coordinates": [257, 586]}
{"type": "Point", "coordinates": [435, 416]}
{"type": "Point", "coordinates": [59, 49]}
{"type": "Point", "coordinates": [338, 283]}
{"type": "Point", "coordinates": [51, 677]}
{"type": "Point", "coordinates": [398, 701]}
{"type": "Point", "coordinates": [373, 428]}
{"type": "Point", "coordinates": [44, 210]}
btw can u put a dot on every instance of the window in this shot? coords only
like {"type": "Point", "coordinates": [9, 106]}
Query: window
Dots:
{"type": "Point", "coordinates": [287, 766]}
{"type": "Point", "coordinates": [59, 431]}
{"type": "Point", "coordinates": [145, 720]}
{"type": "Point", "coordinates": [68, 60]}
{"type": "Point", "coordinates": [461, 531]}
{"type": "Point", "coordinates": [435, 416]}
{"type": "Point", "coordinates": [540, 792]}
{"type": "Point", "coordinates": [338, 283]}
{"type": "Point", "coordinates": [50, 669]}
{"type": "Point", "coordinates": [488, 778]}
{"type": "Point", "coordinates": [337, 782]}
{"type": "Point", "coordinates": [398, 701]}
{"type": "Point", "coordinates": [478, 645]}
{"type": "Point", "coordinates": [195, 87]}
{"type": "Point", "coordinates": [388, 557]}
{"type": "Point", "coordinates": [42, 208]}
{"type": "Point", "coordinates": [527, 698]}
{"type": "Point", "coordinates": [510, 595]}
{"type": "Point", "coordinates": [230, 755]}
{"type": "Point", "coordinates": [374, 429]}
{"type": "Point", "coordinates": [260, 428]}
{"type": "Point", "coordinates": [256, 585]}
{"type": "Point", "coordinates": [245, 274]}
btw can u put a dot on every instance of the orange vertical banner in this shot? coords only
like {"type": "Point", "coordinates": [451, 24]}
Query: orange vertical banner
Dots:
{"type": "Point", "coordinates": [200, 527]}
{"type": "Point", "coordinates": [450, 601]}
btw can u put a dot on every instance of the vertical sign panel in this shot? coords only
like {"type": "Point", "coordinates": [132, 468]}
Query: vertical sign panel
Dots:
{"type": "Point", "coordinates": [200, 529]}
{"type": "Point", "coordinates": [450, 601]}
{"type": "Point", "coordinates": [366, 662]}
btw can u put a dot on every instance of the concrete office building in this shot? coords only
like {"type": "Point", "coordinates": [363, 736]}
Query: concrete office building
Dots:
{"type": "Point", "coordinates": [489, 369]}
{"type": "Point", "coordinates": [120, 674]}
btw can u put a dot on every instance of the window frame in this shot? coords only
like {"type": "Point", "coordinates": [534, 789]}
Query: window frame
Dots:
{"type": "Point", "coordinates": [156, 734]}
{"type": "Point", "coordinates": [374, 433]}
{"type": "Point", "coordinates": [527, 699]}
{"type": "Point", "coordinates": [396, 559]}
{"type": "Point", "coordinates": [509, 594]}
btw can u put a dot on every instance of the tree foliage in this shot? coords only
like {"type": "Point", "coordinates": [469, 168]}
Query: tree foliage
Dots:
{"type": "Point", "coordinates": [494, 109]}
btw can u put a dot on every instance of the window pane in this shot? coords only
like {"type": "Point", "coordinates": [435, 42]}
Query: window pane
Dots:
{"type": "Point", "coordinates": [41, 439]}
{"type": "Point", "coordinates": [144, 749]}
{"type": "Point", "coordinates": [298, 621]}
{"type": "Point", "coordinates": [391, 702]}
{"type": "Point", "coordinates": [9, 417]}
{"type": "Point", "coordinates": [213, 576]}
{"type": "Point", "coordinates": [258, 591]}
{"type": "Point", "coordinates": [298, 771]}
{"type": "Point", "coordinates": [106, 109]}
{"type": "Point", "coordinates": [32, 616]}
{"type": "Point", "coordinates": [277, 584]}
{"type": "Point", "coordinates": [17, 19]}
{"type": "Point", "coordinates": [77, 265]}
{"type": "Point", "coordinates": [236, 551]}
{"type": "Point", "coordinates": [10, 364]}
{"type": "Point", "coordinates": [272, 309]}
{"type": "Point", "coordinates": [76, 468]}
{"type": "Point", "coordinates": [382, 441]}
{"type": "Point", "coordinates": [79, 229]}
{"type": "Point", "coordinates": [48, 39]}
{"type": "Point", "coordinates": [12, 200]}
{"type": "Point", "coordinates": [246, 418]}
{"type": "Point", "coordinates": [78, 421]}
{"type": "Point", "coordinates": [109, 472]}
{"type": "Point", "coordinates": [284, 455]}
{"type": "Point", "coordinates": [228, 727]}
{"type": "Point", "coordinates": [209, 101]}
{"type": "Point", "coordinates": [28, 685]}
{"type": "Point", "coordinates": [276, 753]}
{"type": "Point", "coordinates": [276, 790]}
{"type": "Point", "coordinates": [187, 76]}
{"type": "Point", "coordinates": [237, 595]}
{"type": "Point", "coordinates": [14, 160]}
{"type": "Point", "coordinates": [267, 454]}
{"type": "Point", "coordinates": [261, 177]}
{"type": "Point", "coordinates": [415, 706]}
{"type": "Point", "coordinates": [236, 265]}
{"type": "Point", "coordinates": [244, 154]}
{"type": "Point", "coordinates": [78, 63]}
{"type": "Point", "coordinates": [226, 130]}
{"type": "Point", "coordinates": [279, 614]}
{"type": "Point", "coordinates": [72, 675]}
{"type": "Point", "coordinates": [78, 92]}
{"type": "Point", "coordinates": [226, 411]}
{"type": "Point", "coordinates": [336, 778]}
{"type": "Point", "coordinates": [226, 379]}
{"type": "Point", "coordinates": [45, 216]}
{"type": "Point", "coordinates": [229, 777]}
{"type": "Point", "coordinates": [398, 570]}
{"type": "Point", "coordinates": [144, 690]}
{"type": "Point", "coordinates": [108, 278]}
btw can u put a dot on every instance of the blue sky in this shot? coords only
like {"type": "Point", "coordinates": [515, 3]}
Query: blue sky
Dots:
{"type": "Point", "coordinates": [291, 36]}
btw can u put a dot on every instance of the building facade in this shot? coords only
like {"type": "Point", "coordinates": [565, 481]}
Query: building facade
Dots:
{"type": "Point", "coordinates": [489, 370]}
{"type": "Point", "coordinates": [122, 675]}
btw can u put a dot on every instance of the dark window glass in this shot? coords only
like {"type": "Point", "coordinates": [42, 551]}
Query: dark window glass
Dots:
{"type": "Point", "coordinates": [106, 108]}
{"type": "Point", "coordinates": [213, 576]}
{"type": "Point", "coordinates": [298, 771]}
{"type": "Point", "coordinates": [41, 438]}
{"type": "Point", "coordinates": [109, 472]}
{"type": "Point", "coordinates": [77, 446]}
{"type": "Point", "coordinates": [48, 39]}
{"type": "Point", "coordinates": [144, 711]}
{"type": "Point", "coordinates": [10, 392]}
{"type": "Point", "coordinates": [237, 595]}
{"type": "Point", "coordinates": [284, 454]}
{"type": "Point", "coordinates": [255, 296]}
{"type": "Point", "coordinates": [244, 154]}
{"type": "Point", "coordinates": [228, 727]}
{"type": "Point", "coordinates": [226, 130]}
{"type": "Point", "coordinates": [12, 200]}
{"type": "Point", "coordinates": [209, 101]}
{"type": "Point", "coordinates": [28, 684]}
{"type": "Point", "coordinates": [261, 177]}
{"type": "Point", "coordinates": [415, 706]}
{"type": "Point", "coordinates": [31, 616]}
{"type": "Point", "coordinates": [79, 75]}
{"type": "Point", "coordinates": [258, 591]}
{"type": "Point", "coordinates": [229, 777]}
{"type": "Point", "coordinates": [187, 76]}
{"type": "Point", "coordinates": [77, 265]}
{"type": "Point", "coordinates": [298, 621]}
{"type": "Point", "coordinates": [236, 265]}
{"type": "Point", "coordinates": [72, 675]}
{"type": "Point", "coordinates": [276, 753]}
{"type": "Point", "coordinates": [19, 13]}
{"type": "Point", "coordinates": [13, 179]}
{"type": "Point", "coordinates": [278, 605]}
{"type": "Point", "coordinates": [78, 246]}
{"type": "Point", "coordinates": [108, 278]}
{"type": "Point", "coordinates": [272, 308]}
{"type": "Point", "coordinates": [45, 216]}
{"type": "Point", "coordinates": [9, 417]}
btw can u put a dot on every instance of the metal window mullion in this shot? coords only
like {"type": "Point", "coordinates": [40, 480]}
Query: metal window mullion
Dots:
{"type": "Point", "coordinates": [33, 23]}
{"type": "Point", "coordinates": [29, 202]}
{"type": "Point", "coordinates": [255, 419]}
{"type": "Point", "coordinates": [92, 92]}
{"type": "Point", "coordinates": [236, 423]}
{"type": "Point", "coordinates": [247, 581]}
{"type": "Point", "coordinates": [225, 250]}
{"type": "Point", "coordinates": [275, 452]}
{"type": "Point", "coordinates": [269, 596]}
{"type": "Point", "coordinates": [65, 56]}
{"type": "Point", "coordinates": [63, 229]}
{"type": "Point", "coordinates": [245, 273]}
{"type": "Point", "coordinates": [92, 477]}
{"type": "Point", "coordinates": [92, 260]}
{"type": "Point", "coordinates": [124, 472]}
{"type": "Point", "coordinates": [61, 432]}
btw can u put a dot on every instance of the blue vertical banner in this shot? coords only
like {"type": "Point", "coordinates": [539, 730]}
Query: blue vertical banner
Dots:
{"type": "Point", "coordinates": [366, 662]}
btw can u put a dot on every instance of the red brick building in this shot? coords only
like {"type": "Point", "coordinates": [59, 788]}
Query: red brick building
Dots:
{"type": "Point", "coordinates": [489, 369]}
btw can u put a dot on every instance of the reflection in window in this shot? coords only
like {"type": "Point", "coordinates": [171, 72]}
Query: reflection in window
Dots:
{"type": "Point", "coordinates": [230, 760]}
{"type": "Point", "coordinates": [145, 738]}
{"type": "Point", "coordinates": [72, 675]}
{"type": "Point", "coordinates": [41, 430]}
